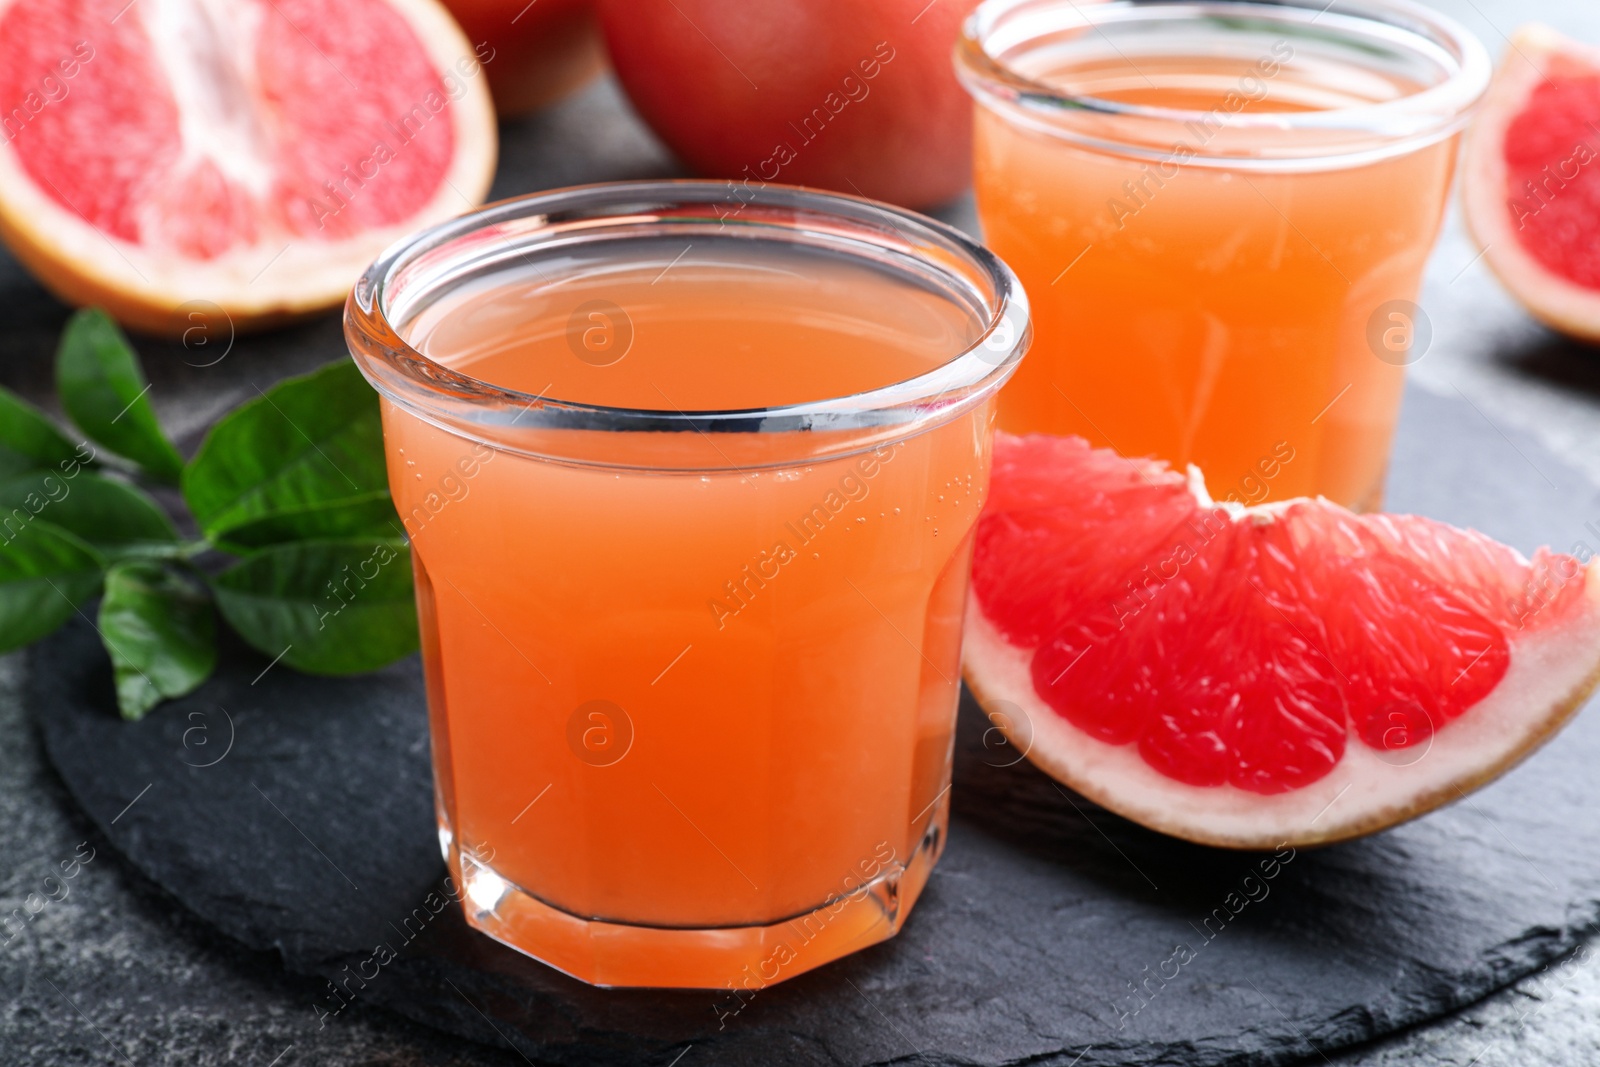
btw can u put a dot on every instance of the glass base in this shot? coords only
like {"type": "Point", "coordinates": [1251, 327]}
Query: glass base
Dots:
{"type": "Point", "coordinates": [740, 959]}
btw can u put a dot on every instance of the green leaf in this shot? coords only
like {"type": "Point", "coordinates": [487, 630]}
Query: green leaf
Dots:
{"type": "Point", "coordinates": [374, 517]}
{"type": "Point", "coordinates": [103, 388]}
{"type": "Point", "coordinates": [324, 607]}
{"type": "Point", "coordinates": [303, 461]}
{"type": "Point", "coordinates": [108, 514]}
{"type": "Point", "coordinates": [45, 573]}
{"type": "Point", "coordinates": [29, 440]}
{"type": "Point", "coordinates": [157, 623]}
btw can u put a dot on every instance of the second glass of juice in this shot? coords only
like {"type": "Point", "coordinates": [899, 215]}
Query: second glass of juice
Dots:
{"type": "Point", "coordinates": [690, 475]}
{"type": "Point", "coordinates": [1221, 210]}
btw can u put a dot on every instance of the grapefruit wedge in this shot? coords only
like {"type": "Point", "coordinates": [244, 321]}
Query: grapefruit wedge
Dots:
{"type": "Point", "coordinates": [1253, 676]}
{"type": "Point", "coordinates": [1531, 186]}
{"type": "Point", "coordinates": [247, 157]}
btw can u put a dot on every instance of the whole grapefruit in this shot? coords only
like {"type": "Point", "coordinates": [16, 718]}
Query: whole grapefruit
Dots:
{"type": "Point", "coordinates": [858, 98]}
{"type": "Point", "coordinates": [540, 50]}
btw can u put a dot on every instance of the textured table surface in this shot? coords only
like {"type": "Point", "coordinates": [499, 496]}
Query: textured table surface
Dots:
{"type": "Point", "coordinates": [117, 973]}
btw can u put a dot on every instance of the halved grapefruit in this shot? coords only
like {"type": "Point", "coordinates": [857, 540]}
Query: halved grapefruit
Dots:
{"type": "Point", "coordinates": [1253, 676]}
{"type": "Point", "coordinates": [247, 156]}
{"type": "Point", "coordinates": [1532, 181]}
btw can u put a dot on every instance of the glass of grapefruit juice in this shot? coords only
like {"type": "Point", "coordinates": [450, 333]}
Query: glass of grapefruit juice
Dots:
{"type": "Point", "coordinates": [1221, 210]}
{"type": "Point", "coordinates": [690, 475]}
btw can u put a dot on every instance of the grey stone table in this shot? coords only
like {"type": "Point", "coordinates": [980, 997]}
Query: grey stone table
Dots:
{"type": "Point", "coordinates": [117, 973]}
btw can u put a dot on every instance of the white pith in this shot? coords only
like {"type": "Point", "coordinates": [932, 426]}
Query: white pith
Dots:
{"type": "Point", "coordinates": [1551, 670]}
{"type": "Point", "coordinates": [282, 274]}
{"type": "Point", "coordinates": [1485, 188]}
{"type": "Point", "coordinates": [205, 47]}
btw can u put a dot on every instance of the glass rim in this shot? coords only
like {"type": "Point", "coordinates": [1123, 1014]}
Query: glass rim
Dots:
{"type": "Point", "coordinates": [1417, 118]}
{"type": "Point", "coordinates": [575, 214]}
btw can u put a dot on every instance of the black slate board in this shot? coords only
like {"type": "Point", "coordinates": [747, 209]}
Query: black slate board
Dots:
{"type": "Point", "coordinates": [295, 814]}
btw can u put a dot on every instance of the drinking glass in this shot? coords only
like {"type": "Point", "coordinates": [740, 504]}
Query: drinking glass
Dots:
{"type": "Point", "coordinates": [692, 666]}
{"type": "Point", "coordinates": [1221, 210]}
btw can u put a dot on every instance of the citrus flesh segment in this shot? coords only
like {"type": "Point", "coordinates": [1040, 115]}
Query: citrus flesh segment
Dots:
{"type": "Point", "coordinates": [1249, 676]}
{"type": "Point", "coordinates": [1531, 184]}
{"type": "Point", "coordinates": [1555, 196]}
{"type": "Point", "coordinates": [247, 153]}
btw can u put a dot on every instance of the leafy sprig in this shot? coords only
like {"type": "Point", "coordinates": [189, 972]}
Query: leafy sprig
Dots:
{"type": "Point", "coordinates": [292, 483]}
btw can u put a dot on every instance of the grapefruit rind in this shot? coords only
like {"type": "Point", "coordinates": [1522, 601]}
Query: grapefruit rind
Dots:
{"type": "Point", "coordinates": [258, 285]}
{"type": "Point", "coordinates": [1552, 672]}
{"type": "Point", "coordinates": [1557, 301]}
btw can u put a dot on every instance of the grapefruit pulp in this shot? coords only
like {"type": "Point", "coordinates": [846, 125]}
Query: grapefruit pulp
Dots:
{"type": "Point", "coordinates": [242, 156]}
{"type": "Point", "coordinates": [1531, 185]}
{"type": "Point", "coordinates": [1253, 676]}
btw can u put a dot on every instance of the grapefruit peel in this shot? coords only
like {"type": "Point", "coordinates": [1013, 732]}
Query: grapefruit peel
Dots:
{"type": "Point", "coordinates": [1553, 667]}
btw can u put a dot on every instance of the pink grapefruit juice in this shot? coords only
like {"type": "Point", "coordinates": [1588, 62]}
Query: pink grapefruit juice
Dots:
{"type": "Point", "coordinates": [1223, 273]}
{"type": "Point", "coordinates": [692, 726]}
